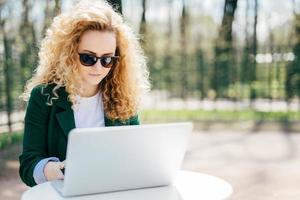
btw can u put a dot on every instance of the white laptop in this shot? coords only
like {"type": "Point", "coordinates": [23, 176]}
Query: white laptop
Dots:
{"type": "Point", "coordinates": [108, 159]}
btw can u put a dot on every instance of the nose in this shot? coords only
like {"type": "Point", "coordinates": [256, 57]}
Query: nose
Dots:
{"type": "Point", "coordinates": [98, 65]}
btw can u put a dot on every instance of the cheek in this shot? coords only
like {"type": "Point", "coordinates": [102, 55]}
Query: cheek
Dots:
{"type": "Point", "coordinates": [83, 71]}
{"type": "Point", "coordinates": [106, 71]}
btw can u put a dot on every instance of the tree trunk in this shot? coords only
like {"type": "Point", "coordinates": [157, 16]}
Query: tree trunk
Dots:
{"type": "Point", "coordinates": [183, 64]}
{"type": "Point", "coordinates": [28, 54]}
{"type": "Point", "coordinates": [223, 51]}
{"type": "Point", "coordinates": [117, 4]}
{"type": "Point", "coordinates": [50, 12]}
{"type": "Point", "coordinates": [57, 7]}
{"type": "Point", "coordinates": [143, 25]}
{"type": "Point", "coordinates": [7, 72]}
{"type": "Point", "coordinates": [167, 60]}
{"type": "Point", "coordinates": [254, 52]}
{"type": "Point", "coordinates": [292, 84]}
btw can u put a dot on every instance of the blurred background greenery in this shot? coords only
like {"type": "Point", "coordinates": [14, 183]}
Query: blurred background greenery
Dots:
{"type": "Point", "coordinates": [214, 60]}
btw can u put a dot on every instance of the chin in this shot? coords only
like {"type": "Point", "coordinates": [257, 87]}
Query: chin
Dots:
{"type": "Point", "coordinates": [94, 82]}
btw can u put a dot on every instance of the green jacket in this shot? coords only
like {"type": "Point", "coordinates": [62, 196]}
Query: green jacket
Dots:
{"type": "Point", "coordinates": [47, 127]}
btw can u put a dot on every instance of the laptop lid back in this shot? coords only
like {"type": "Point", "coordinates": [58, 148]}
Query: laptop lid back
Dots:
{"type": "Point", "coordinates": [109, 159]}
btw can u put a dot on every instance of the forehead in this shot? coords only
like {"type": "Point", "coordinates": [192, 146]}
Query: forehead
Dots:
{"type": "Point", "coordinates": [100, 42]}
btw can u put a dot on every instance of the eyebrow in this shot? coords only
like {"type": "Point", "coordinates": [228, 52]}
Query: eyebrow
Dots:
{"type": "Point", "coordinates": [96, 53]}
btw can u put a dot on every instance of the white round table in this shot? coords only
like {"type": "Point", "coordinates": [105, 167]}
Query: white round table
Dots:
{"type": "Point", "coordinates": [188, 186]}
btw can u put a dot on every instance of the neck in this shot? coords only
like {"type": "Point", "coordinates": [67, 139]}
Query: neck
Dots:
{"type": "Point", "coordinates": [88, 91]}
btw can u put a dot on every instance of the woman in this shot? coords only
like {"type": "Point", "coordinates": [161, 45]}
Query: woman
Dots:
{"type": "Point", "coordinates": [91, 73]}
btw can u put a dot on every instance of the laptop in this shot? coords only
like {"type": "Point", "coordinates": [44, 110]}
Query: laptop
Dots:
{"type": "Point", "coordinates": [109, 159]}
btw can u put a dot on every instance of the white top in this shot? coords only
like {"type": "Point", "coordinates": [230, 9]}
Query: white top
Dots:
{"type": "Point", "coordinates": [89, 111]}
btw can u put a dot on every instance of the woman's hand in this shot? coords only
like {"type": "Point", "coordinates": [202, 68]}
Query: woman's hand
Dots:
{"type": "Point", "coordinates": [53, 171]}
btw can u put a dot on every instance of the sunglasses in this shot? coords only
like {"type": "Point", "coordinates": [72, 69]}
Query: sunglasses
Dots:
{"type": "Point", "coordinates": [89, 60]}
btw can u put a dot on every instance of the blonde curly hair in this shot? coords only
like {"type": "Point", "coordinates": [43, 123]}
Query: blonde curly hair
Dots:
{"type": "Point", "coordinates": [122, 88]}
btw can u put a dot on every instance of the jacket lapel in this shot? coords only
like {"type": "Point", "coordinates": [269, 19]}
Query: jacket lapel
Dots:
{"type": "Point", "coordinates": [65, 117]}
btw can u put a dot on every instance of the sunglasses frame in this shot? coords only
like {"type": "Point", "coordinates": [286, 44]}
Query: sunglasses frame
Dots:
{"type": "Point", "coordinates": [115, 59]}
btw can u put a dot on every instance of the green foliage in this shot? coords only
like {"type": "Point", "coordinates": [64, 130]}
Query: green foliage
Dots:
{"type": "Point", "coordinates": [10, 138]}
{"type": "Point", "coordinates": [216, 115]}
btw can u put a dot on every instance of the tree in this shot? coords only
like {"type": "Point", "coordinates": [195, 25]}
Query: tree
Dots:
{"type": "Point", "coordinates": [7, 43]}
{"type": "Point", "coordinates": [50, 12]}
{"type": "Point", "coordinates": [254, 52]}
{"type": "Point", "coordinates": [57, 7]}
{"type": "Point", "coordinates": [167, 60]}
{"type": "Point", "coordinates": [201, 72]}
{"type": "Point", "coordinates": [223, 50]}
{"type": "Point", "coordinates": [292, 84]}
{"type": "Point", "coordinates": [248, 67]}
{"type": "Point", "coordinates": [117, 4]}
{"type": "Point", "coordinates": [28, 54]}
{"type": "Point", "coordinates": [183, 45]}
{"type": "Point", "coordinates": [245, 69]}
{"type": "Point", "coordinates": [143, 20]}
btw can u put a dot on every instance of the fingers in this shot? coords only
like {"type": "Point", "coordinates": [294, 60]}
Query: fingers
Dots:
{"type": "Point", "coordinates": [60, 175]}
{"type": "Point", "coordinates": [62, 164]}
{"type": "Point", "coordinates": [53, 171]}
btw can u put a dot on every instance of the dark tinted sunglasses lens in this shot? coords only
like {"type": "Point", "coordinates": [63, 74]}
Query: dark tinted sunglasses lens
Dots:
{"type": "Point", "coordinates": [87, 60]}
{"type": "Point", "coordinates": [107, 62]}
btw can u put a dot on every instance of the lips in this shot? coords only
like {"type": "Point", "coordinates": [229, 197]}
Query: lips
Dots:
{"type": "Point", "coordinates": [95, 74]}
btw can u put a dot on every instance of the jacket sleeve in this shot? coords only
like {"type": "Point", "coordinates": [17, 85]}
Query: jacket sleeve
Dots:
{"type": "Point", "coordinates": [35, 136]}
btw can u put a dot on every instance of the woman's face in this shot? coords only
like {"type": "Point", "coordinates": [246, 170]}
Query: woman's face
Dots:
{"type": "Point", "coordinates": [96, 43]}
